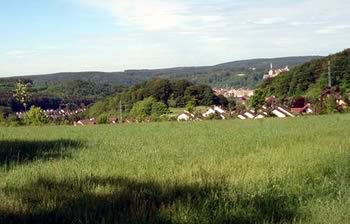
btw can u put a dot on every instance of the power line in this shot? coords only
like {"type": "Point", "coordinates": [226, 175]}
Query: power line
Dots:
{"type": "Point", "coordinates": [329, 75]}
{"type": "Point", "coordinates": [120, 112]}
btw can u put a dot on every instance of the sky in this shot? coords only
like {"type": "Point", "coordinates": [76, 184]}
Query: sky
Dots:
{"type": "Point", "coordinates": [48, 36]}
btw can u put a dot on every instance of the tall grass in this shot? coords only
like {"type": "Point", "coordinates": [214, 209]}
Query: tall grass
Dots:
{"type": "Point", "coordinates": [268, 171]}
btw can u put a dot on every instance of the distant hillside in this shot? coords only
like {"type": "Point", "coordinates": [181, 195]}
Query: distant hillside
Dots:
{"type": "Point", "coordinates": [310, 78]}
{"type": "Point", "coordinates": [245, 73]}
{"type": "Point", "coordinates": [88, 87]}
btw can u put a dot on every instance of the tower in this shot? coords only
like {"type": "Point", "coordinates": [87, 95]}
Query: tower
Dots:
{"type": "Point", "coordinates": [271, 70]}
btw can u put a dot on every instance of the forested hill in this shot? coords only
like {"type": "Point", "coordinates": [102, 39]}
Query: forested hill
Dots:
{"type": "Point", "coordinates": [169, 93]}
{"type": "Point", "coordinates": [311, 78]}
{"type": "Point", "coordinates": [245, 73]}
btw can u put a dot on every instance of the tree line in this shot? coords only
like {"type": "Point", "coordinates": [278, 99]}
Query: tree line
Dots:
{"type": "Point", "coordinates": [158, 94]}
{"type": "Point", "coordinates": [309, 81]}
{"type": "Point", "coordinates": [311, 78]}
{"type": "Point", "coordinates": [53, 94]}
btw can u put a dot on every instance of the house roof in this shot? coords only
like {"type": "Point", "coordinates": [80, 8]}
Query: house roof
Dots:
{"type": "Point", "coordinates": [87, 122]}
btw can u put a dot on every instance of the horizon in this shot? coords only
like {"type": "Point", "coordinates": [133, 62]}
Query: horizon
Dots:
{"type": "Point", "coordinates": [118, 35]}
{"type": "Point", "coordinates": [161, 68]}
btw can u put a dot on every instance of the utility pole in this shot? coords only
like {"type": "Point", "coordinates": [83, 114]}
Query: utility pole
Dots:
{"type": "Point", "coordinates": [329, 75]}
{"type": "Point", "coordinates": [120, 112]}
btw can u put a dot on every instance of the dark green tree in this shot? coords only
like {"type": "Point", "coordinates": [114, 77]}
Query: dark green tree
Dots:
{"type": "Point", "coordinates": [257, 100]}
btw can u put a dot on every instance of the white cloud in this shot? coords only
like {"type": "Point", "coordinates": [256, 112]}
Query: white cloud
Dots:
{"type": "Point", "coordinates": [220, 16]}
{"type": "Point", "coordinates": [306, 23]}
{"type": "Point", "coordinates": [333, 29]}
{"type": "Point", "coordinates": [269, 21]}
{"type": "Point", "coordinates": [162, 15]}
{"type": "Point", "coordinates": [151, 15]}
{"type": "Point", "coordinates": [16, 53]}
{"type": "Point", "coordinates": [162, 33]}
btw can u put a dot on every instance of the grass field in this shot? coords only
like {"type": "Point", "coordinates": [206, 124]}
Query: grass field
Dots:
{"type": "Point", "coordinates": [266, 171]}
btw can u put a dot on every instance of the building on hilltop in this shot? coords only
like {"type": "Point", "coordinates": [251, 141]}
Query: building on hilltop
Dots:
{"type": "Point", "coordinates": [231, 92]}
{"type": "Point", "coordinates": [275, 72]}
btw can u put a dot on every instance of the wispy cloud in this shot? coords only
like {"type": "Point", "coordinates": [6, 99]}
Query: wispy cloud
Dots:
{"type": "Point", "coordinates": [270, 21]}
{"type": "Point", "coordinates": [307, 23]}
{"type": "Point", "coordinates": [153, 15]}
{"type": "Point", "coordinates": [163, 33]}
{"type": "Point", "coordinates": [185, 19]}
{"type": "Point", "coordinates": [16, 53]}
{"type": "Point", "coordinates": [29, 52]}
{"type": "Point", "coordinates": [194, 15]}
{"type": "Point", "coordinates": [334, 29]}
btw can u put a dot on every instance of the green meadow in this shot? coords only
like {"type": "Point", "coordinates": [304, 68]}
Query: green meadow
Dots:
{"type": "Point", "coordinates": [266, 171]}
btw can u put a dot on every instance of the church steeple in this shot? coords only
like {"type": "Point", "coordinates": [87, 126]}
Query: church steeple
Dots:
{"type": "Point", "coordinates": [271, 70]}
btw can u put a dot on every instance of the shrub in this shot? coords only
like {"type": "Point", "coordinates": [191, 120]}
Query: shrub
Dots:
{"type": "Point", "coordinates": [190, 106]}
{"type": "Point", "coordinates": [2, 118]}
{"type": "Point", "coordinates": [159, 109]}
{"type": "Point", "coordinates": [103, 119]}
{"type": "Point", "coordinates": [142, 109]}
{"type": "Point", "coordinates": [329, 105]}
{"type": "Point", "coordinates": [35, 116]}
{"type": "Point", "coordinates": [148, 108]}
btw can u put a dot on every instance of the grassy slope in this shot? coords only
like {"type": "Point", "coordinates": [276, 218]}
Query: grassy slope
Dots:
{"type": "Point", "coordinates": [293, 170]}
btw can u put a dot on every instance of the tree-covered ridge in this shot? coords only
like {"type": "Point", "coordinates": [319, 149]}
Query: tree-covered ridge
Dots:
{"type": "Point", "coordinates": [51, 95]}
{"type": "Point", "coordinates": [49, 91]}
{"type": "Point", "coordinates": [311, 78]}
{"type": "Point", "coordinates": [175, 93]}
{"type": "Point", "coordinates": [244, 73]}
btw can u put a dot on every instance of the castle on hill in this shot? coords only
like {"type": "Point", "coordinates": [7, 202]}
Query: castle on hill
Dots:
{"type": "Point", "coordinates": [275, 72]}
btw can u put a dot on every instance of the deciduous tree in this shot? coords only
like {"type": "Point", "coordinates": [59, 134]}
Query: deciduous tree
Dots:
{"type": "Point", "coordinates": [23, 92]}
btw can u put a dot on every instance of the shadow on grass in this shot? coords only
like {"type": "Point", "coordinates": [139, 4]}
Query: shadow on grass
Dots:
{"type": "Point", "coordinates": [16, 152]}
{"type": "Point", "coordinates": [121, 200]}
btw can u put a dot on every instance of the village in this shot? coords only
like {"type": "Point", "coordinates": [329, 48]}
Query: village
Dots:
{"type": "Point", "coordinates": [269, 108]}
{"type": "Point", "coordinates": [175, 112]}
{"type": "Point", "coordinates": [272, 107]}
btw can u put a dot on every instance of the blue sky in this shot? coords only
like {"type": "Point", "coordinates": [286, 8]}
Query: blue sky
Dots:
{"type": "Point", "coordinates": [46, 36]}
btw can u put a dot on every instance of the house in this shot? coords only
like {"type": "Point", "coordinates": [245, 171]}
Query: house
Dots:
{"type": "Point", "coordinates": [91, 121]}
{"type": "Point", "coordinates": [335, 93]}
{"type": "Point", "coordinates": [250, 114]}
{"type": "Point", "coordinates": [230, 92]}
{"type": "Point", "coordinates": [264, 112]}
{"type": "Point", "coordinates": [247, 115]}
{"type": "Point", "coordinates": [262, 115]}
{"type": "Point", "coordinates": [342, 103]}
{"type": "Point", "coordinates": [129, 121]}
{"type": "Point", "coordinates": [209, 112]}
{"type": "Point", "coordinates": [281, 112]}
{"type": "Point", "coordinates": [301, 110]}
{"type": "Point", "coordinates": [112, 120]}
{"type": "Point", "coordinates": [213, 111]}
{"type": "Point", "coordinates": [300, 106]}
{"type": "Point", "coordinates": [185, 116]}
{"type": "Point", "coordinates": [242, 117]}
